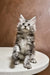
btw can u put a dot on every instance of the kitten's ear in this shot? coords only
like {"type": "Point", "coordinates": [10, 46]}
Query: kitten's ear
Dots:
{"type": "Point", "coordinates": [33, 20]}
{"type": "Point", "coordinates": [21, 18]}
{"type": "Point", "coordinates": [33, 23]}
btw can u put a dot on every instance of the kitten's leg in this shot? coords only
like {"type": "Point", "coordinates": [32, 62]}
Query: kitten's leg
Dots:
{"type": "Point", "coordinates": [15, 54]}
{"type": "Point", "coordinates": [32, 59]}
{"type": "Point", "coordinates": [17, 62]}
{"type": "Point", "coordinates": [27, 62]}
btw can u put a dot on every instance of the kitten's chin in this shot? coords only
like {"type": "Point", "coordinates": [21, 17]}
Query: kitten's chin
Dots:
{"type": "Point", "coordinates": [25, 30]}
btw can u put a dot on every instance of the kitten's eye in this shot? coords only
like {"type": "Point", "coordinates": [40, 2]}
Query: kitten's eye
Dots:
{"type": "Point", "coordinates": [28, 24]}
{"type": "Point", "coordinates": [23, 23]}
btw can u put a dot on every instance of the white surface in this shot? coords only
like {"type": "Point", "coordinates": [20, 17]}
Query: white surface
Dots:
{"type": "Point", "coordinates": [5, 59]}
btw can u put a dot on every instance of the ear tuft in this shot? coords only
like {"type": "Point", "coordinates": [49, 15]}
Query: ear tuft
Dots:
{"type": "Point", "coordinates": [21, 18]}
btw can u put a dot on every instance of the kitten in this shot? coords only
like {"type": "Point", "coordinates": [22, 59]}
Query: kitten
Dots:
{"type": "Point", "coordinates": [24, 48]}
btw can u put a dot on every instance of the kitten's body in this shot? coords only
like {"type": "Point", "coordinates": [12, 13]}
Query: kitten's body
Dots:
{"type": "Point", "coordinates": [24, 46]}
{"type": "Point", "coordinates": [25, 41]}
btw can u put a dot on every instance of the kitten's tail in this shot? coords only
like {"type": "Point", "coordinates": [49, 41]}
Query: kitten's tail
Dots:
{"type": "Point", "coordinates": [12, 65]}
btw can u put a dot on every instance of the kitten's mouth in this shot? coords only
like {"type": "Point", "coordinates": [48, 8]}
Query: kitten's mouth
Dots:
{"type": "Point", "coordinates": [25, 30]}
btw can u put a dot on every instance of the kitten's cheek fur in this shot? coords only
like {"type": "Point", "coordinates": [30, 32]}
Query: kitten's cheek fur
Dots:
{"type": "Point", "coordinates": [28, 28]}
{"type": "Point", "coordinates": [22, 27]}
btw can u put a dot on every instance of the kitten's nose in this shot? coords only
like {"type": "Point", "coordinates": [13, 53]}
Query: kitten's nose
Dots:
{"type": "Point", "coordinates": [25, 26]}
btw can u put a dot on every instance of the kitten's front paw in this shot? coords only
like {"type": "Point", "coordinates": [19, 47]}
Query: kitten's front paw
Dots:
{"type": "Point", "coordinates": [17, 62]}
{"type": "Point", "coordinates": [28, 66]}
{"type": "Point", "coordinates": [33, 60]}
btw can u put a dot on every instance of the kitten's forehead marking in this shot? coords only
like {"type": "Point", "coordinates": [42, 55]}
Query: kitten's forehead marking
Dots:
{"type": "Point", "coordinates": [26, 23]}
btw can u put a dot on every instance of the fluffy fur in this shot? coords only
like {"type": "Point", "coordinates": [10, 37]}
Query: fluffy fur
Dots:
{"type": "Point", "coordinates": [24, 46]}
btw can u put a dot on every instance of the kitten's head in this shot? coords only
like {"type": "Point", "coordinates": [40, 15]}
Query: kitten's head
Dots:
{"type": "Point", "coordinates": [27, 25]}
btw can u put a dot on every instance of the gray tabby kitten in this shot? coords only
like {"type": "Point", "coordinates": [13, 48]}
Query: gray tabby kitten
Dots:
{"type": "Point", "coordinates": [24, 46]}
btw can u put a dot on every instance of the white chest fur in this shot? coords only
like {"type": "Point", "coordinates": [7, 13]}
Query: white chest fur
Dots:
{"type": "Point", "coordinates": [24, 45]}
